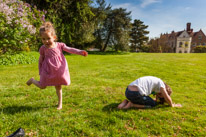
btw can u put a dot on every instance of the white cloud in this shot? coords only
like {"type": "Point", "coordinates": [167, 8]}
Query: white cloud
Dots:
{"type": "Point", "coordinates": [149, 2]}
{"type": "Point", "coordinates": [136, 11]}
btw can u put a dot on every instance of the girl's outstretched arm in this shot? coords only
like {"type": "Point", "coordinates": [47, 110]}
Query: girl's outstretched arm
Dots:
{"type": "Point", "coordinates": [74, 50]}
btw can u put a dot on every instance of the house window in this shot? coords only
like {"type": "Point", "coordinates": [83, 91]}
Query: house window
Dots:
{"type": "Point", "coordinates": [186, 44]}
{"type": "Point", "coordinates": [180, 51]}
{"type": "Point", "coordinates": [180, 44]}
{"type": "Point", "coordinates": [194, 44]}
{"type": "Point", "coordinates": [200, 37]}
{"type": "Point", "coordinates": [185, 51]}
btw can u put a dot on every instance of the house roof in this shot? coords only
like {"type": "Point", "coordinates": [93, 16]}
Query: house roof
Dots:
{"type": "Point", "coordinates": [176, 34]}
{"type": "Point", "coordinates": [172, 34]}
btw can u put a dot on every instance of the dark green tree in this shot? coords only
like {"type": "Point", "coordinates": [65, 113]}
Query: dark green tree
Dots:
{"type": "Point", "coordinates": [116, 26]}
{"type": "Point", "coordinates": [70, 17]}
{"type": "Point", "coordinates": [112, 27]}
{"type": "Point", "coordinates": [120, 22]}
{"type": "Point", "coordinates": [101, 11]}
{"type": "Point", "coordinates": [138, 35]}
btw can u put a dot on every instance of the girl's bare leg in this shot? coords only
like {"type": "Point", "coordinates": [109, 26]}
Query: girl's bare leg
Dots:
{"type": "Point", "coordinates": [124, 103]}
{"type": "Point", "coordinates": [59, 94]}
{"type": "Point", "coordinates": [130, 105]}
{"type": "Point", "coordinates": [36, 83]}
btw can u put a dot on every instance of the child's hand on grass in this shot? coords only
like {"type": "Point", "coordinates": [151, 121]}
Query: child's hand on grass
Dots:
{"type": "Point", "coordinates": [177, 105]}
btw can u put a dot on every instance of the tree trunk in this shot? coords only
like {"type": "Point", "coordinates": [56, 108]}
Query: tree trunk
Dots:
{"type": "Point", "coordinates": [108, 37]}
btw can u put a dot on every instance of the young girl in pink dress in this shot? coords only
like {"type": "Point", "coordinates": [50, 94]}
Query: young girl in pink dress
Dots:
{"type": "Point", "coordinates": [53, 68]}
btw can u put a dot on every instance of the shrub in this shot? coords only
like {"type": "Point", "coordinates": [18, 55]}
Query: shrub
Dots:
{"type": "Point", "coordinates": [200, 49]}
{"type": "Point", "coordinates": [18, 25]}
{"type": "Point", "coordinates": [20, 58]}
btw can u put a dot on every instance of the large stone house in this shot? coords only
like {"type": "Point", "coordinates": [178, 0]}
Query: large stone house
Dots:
{"type": "Point", "coordinates": [183, 41]}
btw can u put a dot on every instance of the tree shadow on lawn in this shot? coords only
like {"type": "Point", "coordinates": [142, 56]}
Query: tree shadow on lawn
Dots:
{"type": "Point", "coordinates": [113, 107]}
{"type": "Point", "coordinates": [18, 109]}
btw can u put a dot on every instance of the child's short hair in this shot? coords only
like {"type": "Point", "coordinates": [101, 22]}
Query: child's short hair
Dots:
{"type": "Point", "coordinates": [168, 89]}
{"type": "Point", "coordinates": [47, 27]}
{"type": "Point", "coordinates": [169, 92]}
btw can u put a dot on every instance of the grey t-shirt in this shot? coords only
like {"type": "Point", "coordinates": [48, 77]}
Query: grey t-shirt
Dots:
{"type": "Point", "coordinates": [147, 84]}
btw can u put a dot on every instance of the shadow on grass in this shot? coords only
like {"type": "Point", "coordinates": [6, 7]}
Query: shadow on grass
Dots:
{"type": "Point", "coordinates": [18, 109]}
{"type": "Point", "coordinates": [113, 107]}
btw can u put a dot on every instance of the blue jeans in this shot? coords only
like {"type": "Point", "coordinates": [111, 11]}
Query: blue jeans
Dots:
{"type": "Point", "coordinates": [136, 98]}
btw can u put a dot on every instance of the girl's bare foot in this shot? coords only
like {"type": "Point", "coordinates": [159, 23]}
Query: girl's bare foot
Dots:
{"type": "Point", "coordinates": [59, 107]}
{"type": "Point", "coordinates": [124, 103]}
{"type": "Point", "coordinates": [30, 81]}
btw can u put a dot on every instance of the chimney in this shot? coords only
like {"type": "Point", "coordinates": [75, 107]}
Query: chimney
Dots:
{"type": "Point", "coordinates": [188, 27]}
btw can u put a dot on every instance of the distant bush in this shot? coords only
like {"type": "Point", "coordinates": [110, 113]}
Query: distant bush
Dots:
{"type": "Point", "coordinates": [20, 58]}
{"type": "Point", "coordinates": [200, 49]}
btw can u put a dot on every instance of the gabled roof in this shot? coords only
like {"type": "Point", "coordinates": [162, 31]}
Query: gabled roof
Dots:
{"type": "Point", "coordinates": [174, 34]}
{"type": "Point", "coordinates": [195, 33]}
{"type": "Point", "coordinates": [177, 34]}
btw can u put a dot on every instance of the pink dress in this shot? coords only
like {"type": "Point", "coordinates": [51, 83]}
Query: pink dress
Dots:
{"type": "Point", "coordinates": [53, 68]}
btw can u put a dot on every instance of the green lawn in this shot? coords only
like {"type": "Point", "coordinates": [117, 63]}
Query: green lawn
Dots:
{"type": "Point", "coordinates": [98, 84]}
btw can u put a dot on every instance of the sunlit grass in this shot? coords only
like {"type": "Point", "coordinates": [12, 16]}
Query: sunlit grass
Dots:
{"type": "Point", "coordinates": [98, 84]}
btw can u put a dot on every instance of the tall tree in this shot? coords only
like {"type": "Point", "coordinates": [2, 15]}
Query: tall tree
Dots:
{"type": "Point", "coordinates": [120, 29]}
{"type": "Point", "coordinates": [116, 26]}
{"type": "Point", "coordinates": [101, 11]}
{"type": "Point", "coordinates": [112, 27]}
{"type": "Point", "coordinates": [138, 35]}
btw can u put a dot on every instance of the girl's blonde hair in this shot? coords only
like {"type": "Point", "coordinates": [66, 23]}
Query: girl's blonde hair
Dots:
{"type": "Point", "coordinates": [47, 27]}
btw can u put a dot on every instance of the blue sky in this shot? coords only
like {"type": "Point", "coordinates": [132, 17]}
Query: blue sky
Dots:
{"type": "Point", "coordinates": [164, 16]}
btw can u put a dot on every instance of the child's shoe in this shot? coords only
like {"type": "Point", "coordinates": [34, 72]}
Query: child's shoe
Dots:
{"type": "Point", "coordinates": [18, 133]}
